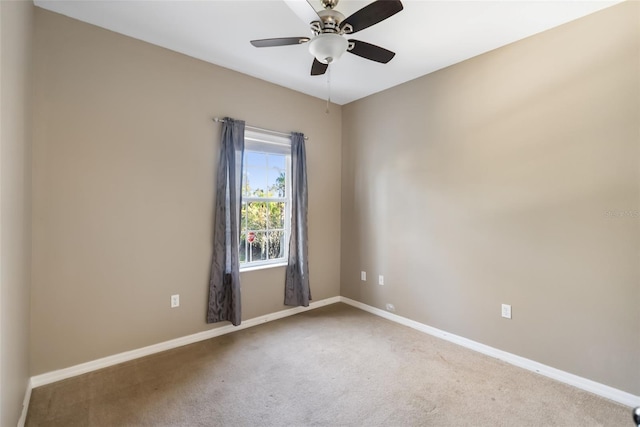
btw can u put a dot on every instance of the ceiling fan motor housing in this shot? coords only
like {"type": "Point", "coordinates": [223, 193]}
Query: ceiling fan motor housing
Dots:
{"type": "Point", "coordinates": [330, 22]}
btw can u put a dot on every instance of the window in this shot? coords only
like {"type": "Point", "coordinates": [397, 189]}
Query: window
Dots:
{"type": "Point", "coordinates": [266, 201]}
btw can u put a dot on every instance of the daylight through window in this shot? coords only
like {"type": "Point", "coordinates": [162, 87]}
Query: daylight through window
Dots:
{"type": "Point", "coordinates": [266, 207]}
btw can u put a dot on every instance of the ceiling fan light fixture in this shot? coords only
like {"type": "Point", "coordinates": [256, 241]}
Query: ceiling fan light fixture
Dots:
{"type": "Point", "coordinates": [328, 48]}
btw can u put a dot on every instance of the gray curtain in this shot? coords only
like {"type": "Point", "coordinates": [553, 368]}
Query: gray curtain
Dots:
{"type": "Point", "coordinates": [224, 281]}
{"type": "Point", "coordinates": [296, 288]}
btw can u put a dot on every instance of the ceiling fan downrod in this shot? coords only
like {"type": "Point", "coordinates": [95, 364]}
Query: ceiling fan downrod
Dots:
{"type": "Point", "coordinates": [329, 4]}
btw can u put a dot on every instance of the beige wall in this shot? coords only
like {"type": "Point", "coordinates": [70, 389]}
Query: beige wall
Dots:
{"type": "Point", "coordinates": [124, 165]}
{"type": "Point", "coordinates": [509, 178]}
{"type": "Point", "coordinates": [16, 28]}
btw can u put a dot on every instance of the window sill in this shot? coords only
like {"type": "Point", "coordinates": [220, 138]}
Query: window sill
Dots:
{"type": "Point", "coordinates": [262, 267]}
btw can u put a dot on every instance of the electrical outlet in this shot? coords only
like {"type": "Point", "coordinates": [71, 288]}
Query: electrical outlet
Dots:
{"type": "Point", "coordinates": [363, 276]}
{"type": "Point", "coordinates": [506, 311]}
{"type": "Point", "coordinates": [381, 280]}
{"type": "Point", "coordinates": [175, 301]}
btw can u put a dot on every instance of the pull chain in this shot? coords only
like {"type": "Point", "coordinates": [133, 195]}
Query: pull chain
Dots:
{"type": "Point", "coordinates": [328, 89]}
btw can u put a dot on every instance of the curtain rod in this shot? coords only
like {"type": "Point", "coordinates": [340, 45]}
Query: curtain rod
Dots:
{"type": "Point", "coordinates": [217, 119]}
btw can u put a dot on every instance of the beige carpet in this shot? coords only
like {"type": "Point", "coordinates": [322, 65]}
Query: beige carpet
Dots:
{"type": "Point", "coordinates": [333, 366]}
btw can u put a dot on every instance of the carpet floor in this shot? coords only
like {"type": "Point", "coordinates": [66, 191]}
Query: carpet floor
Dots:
{"type": "Point", "coordinates": [332, 366]}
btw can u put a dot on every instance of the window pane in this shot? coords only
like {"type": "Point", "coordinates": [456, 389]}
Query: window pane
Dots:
{"type": "Point", "coordinates": [277, 182]}
{"type": "Point", "coordinates": [276, 214]}
{"type": "Point", "coordinates": [243, 247]}
{"type": "Point", "coordinates": [276, 174]}
{"type": "Point", "coordinates": [251, 158]}
{"type": "Point", "coordinates": [243, 217]}
{"type": "Point", "coordinates": [276, 244]}
{"type": "Point", "coordinates": [257, 247]}
{"type": "Point", "coordinates": [277, 161]}
{"type": "Point", "coordinates": [256, 216]}
{"type": "Point", "coordinates": [255, 182]}
{"type": "Point", "coordinates": [245, 183]}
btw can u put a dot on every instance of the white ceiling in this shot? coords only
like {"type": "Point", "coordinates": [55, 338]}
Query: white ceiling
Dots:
{"type": "Point", "coordinates": [426, 36]}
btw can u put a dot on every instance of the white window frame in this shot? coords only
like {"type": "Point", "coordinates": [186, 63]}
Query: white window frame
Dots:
{"type": "Point", "coordinates": [264, 142]}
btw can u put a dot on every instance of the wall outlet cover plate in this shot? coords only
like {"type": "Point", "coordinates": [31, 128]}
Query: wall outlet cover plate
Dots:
{"type": "Point", "coordinates": [506, 311]}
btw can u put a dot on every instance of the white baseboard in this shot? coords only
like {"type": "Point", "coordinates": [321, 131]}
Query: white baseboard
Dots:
{"type": "Point", "coordinates": [602, 390]}
{"type": "Point", "coordinates": [605, 391]}
{"type": "Point", "coordinates": [25, 404]}
{"type": "Point", "coordinates": [61, 374]}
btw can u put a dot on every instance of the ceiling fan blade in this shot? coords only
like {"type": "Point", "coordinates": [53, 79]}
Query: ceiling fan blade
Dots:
{"type": "Point", "coordinates": [371, 51]}
{"type": "Point", "coordinates": [318, 68]}
{"type": "Point", "coordinates": [283, 41]}
{"type": "Point", "coordinates": [371, 14]}
{"type": "Point", "coordinates": [303, 10]}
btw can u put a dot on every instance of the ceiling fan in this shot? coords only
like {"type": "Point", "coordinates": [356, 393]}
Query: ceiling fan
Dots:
{"type": "Point", "coordinates": [329, 28]}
